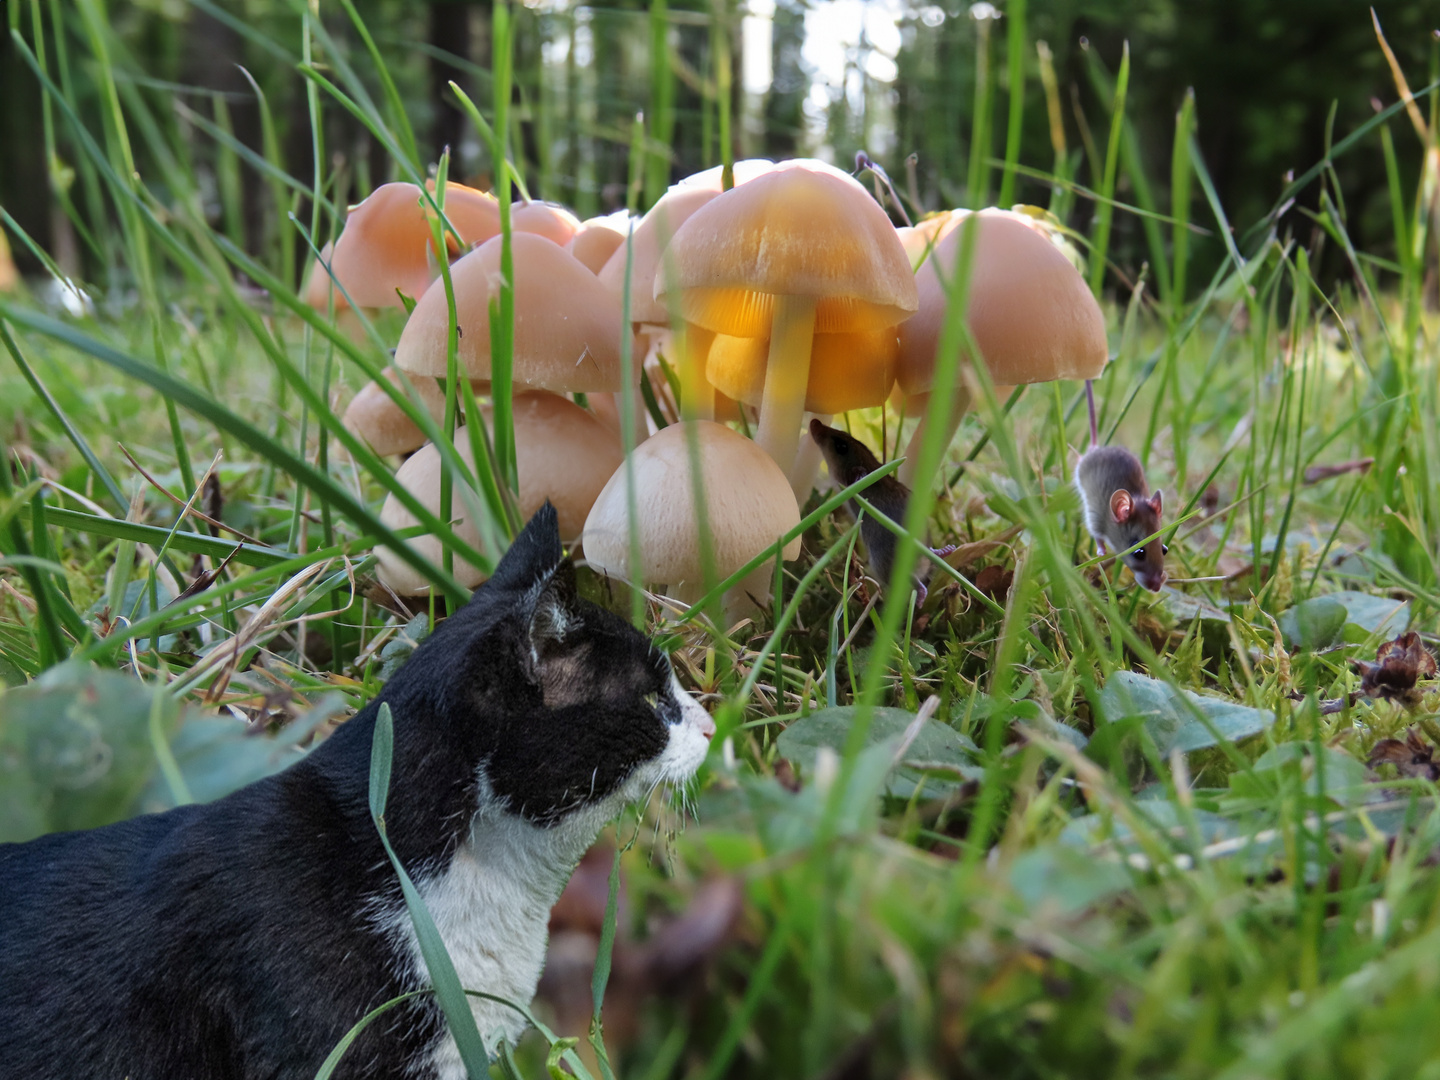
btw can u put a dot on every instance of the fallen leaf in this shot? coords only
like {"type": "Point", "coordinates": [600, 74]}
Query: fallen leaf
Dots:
{"type": "Point", "coordinates": [1413, 757]}
{"type": "Point", "coordinates": [1398, 666]}
{"type": "Point", "coordinates": [995, 581]}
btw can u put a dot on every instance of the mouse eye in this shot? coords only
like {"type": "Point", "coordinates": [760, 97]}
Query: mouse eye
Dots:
{"type": "Point", "coordinates": [1164, 549]}
{"type": "Point", "coordinates": [841, 446]}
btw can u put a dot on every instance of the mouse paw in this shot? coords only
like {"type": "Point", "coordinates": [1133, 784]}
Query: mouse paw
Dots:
{"type": "Point", "coordinates": [941, 552]}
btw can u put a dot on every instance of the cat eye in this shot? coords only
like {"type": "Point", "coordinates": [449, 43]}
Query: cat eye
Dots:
{"type": "Point", "coordinates": [653, 700]}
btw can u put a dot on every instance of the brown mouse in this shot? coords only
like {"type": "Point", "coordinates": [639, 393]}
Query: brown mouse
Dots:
{"type": "Point", "coordinates": [850, 460]}
{"type": "Point", "coordinates": [1119, 509]}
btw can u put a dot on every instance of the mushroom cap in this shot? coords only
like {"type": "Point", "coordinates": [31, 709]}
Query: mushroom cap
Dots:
{"type": "Point", "coordinates": [802, 229]}
{"type": "Point", "coordinates": [549, 220]}
{"type": "Point", "coordinates": [318, 284]}
{"type": "Point", "coordinates": [748, 501]}
{"type": "Point", "coordinates": [374, 416]}
{"type": "Point", "coordinates": [598, 238]}
{"type": "Point", "coordinates": [9, 276]}
{"type": "Point", "coordinates": [711, 179]}
{"type": "Point", "coordinates": [562, 453]}
{"type": "Point", "coordinates": [847, 371]}
{"type": "Point", "coordinates": [1031, 312]}
{"type": "Point", "coordinates": [919, 240]}
{"type": "Point", "coordinates": [647, 244]}
{"type": "Point", "coordinates": [421, 475]}
{"type": "Point", "coordinates": [387, 236]}
{"type": "Point", "coordinates": [567, 327]}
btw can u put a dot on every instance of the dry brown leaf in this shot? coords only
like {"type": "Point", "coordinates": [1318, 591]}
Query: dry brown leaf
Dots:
{"type": "Point", "coordinates": [1413, 757]}
{"type": "Point", "coordinates": [1398, 666]}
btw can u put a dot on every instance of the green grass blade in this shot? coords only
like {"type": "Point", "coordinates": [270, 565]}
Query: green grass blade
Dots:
{"type": "Point", "coordinates": [1015, 41]}
{"type": "Point", "coordinates": [432, 947]}
{"type": "Point", "coordinates": [1100, 237]}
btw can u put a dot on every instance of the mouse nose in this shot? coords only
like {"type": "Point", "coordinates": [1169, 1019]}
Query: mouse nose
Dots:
{"type": "Point", "coordinates": [1153, 582]}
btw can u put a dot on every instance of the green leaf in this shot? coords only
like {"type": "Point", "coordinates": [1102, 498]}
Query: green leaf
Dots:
{"type": "Point", "coordinates": [1184, 721]}
{"type": "Point", "coordinates": [1065, 879]}
{"type": "Point", "coordinates": [1315, 624]}
{"type": "Point", "coordinates": [1345, 779]}
{"type": "Point", "coordinates": [1374, 613]}
{"type": "Point", "coordinates": [382, 748]}
{"type": "Point", "coordinates": [74, 751]}
{"type": "Point", "coordinates": [217, 756]}
{"type": "Point", "coordinates": [77, 751]}
{"type": "Point", "coordinates": [939, 757]}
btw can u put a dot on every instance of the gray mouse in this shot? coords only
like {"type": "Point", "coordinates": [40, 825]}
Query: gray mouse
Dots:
{"type": "Point", "coordinates": [1119, 509]}
{"type": "Point", "coordinates": [850, 460]}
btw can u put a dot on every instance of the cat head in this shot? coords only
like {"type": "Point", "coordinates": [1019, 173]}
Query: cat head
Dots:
{"type": "Point", "coordinates": [565, 706]}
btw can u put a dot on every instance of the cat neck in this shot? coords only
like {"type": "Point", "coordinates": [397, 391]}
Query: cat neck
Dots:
{"type": "Point", "coordinates": [491, 904]}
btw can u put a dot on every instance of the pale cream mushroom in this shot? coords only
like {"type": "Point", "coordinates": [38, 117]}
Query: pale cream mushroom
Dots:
{"type": "Point", "coordinates": [1032, 316]}
{"type": "Point", "coordinates": [748, 507]}
{"type": "Point", "coordinates": [567, 327]}
{"type": "Point", "coordinates": [549, 220]}
{"type": "Point", "coordinates": [562, 453]}
{"type": "Point", "coordinates": [598, 238]}
{"type": "Point", "coordinates": [375, 417]}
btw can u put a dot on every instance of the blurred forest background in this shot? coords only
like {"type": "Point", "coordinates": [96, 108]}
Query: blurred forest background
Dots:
{"type": "Point", "coordinates": [1271, 78]}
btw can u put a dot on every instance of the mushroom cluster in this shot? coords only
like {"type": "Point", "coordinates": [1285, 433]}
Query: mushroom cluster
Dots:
{"type": "Point", "coordinates": [790, 295]}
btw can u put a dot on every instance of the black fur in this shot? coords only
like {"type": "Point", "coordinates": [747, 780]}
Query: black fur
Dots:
{"type": "Point", "coordinates": [237, 939]}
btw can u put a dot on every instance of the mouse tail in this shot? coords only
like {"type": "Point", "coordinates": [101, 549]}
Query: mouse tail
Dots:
{"type": "Point", "coordinates": [1090, 401]}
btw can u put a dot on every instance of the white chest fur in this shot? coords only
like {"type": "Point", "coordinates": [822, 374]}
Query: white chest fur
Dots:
{"type": "Point", "coordinates": [492, 908]}
{"type": "Point", "coordinates": [492, 904]}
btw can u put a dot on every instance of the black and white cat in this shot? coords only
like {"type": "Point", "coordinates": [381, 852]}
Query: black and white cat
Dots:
{"type": "Point", "coordinates": [243, 938]}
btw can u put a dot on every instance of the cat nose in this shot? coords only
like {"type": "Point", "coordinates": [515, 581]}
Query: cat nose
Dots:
{"type": "Point", "coordinates": [707, 726]}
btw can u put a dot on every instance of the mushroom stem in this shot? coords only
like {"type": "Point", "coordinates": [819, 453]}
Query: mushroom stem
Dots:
{"type": "Point", "coordinates": [685, 594]}
{"type": "Point", "coordinates": [787, 373]}
{"type": "Point", "coordinates": [638, 431]}
{"type": "Point", "coordinates": [959, 405]}
{"type": "Point", "coordinates": [807, 464]}
{"type": "Point", "coordinates": [748, 596]}
{"type": "Point", "coordinates": [692, 347]}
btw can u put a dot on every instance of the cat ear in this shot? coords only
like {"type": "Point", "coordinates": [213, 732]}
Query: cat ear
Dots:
{"type": "Point", "coordinates": [533, 555]}
{"type": "Point", "coordinates": [553, 613]}
{"type": "Point", "coordinates": [1121, 506]}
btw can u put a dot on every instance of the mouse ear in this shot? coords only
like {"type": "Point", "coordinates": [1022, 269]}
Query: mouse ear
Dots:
{"type": "Point", "coordinates": [1155, 502]}
{"type": "Point", "coordinates": [1121, 506]}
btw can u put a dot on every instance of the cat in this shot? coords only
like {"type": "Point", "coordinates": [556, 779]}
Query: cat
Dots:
{"type": "Point", "coordinates": [242, 938]}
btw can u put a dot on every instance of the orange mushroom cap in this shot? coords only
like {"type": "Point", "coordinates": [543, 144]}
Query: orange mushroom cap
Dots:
{"type": "Point", "coordinates": [847, 371]}
{"type": "Point", "coordinates": [802, 229]}
{"type": "Point", "coordinates": [1031, 313]}
{"type": "Point", "coordinates": [387, 236]}
{"type": "Point", "coordinates": [598, 239]}
{"type": "Point", "coordinates": [549, 220]}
